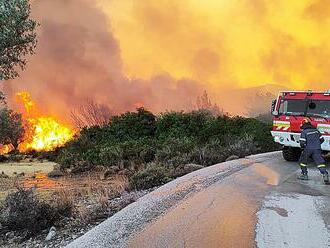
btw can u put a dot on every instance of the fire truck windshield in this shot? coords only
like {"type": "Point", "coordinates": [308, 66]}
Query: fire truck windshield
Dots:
{"type": "Point", "coordinates": [317, 108]}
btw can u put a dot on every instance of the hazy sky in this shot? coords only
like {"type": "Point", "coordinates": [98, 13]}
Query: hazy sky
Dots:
{"type": "Point", "coordinates": [239, 43]}
{"type": "Point", "coordinates": [162, 54]}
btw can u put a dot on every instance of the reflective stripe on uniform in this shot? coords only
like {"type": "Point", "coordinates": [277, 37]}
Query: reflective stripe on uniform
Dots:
{"type": "Point", "coordinates": [314, 132]}
{"type": "Point", "coordinates": [321, 166]}
{"type": "Point", "coordinates": [303, 165]}
{"type": "Point", "coordinates": [302, 139]}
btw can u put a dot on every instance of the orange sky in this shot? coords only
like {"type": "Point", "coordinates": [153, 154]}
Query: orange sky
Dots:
{"type": "Point", "coordinates": [240, 43]}
{"type": "Point", "coordinates": [163, 54]}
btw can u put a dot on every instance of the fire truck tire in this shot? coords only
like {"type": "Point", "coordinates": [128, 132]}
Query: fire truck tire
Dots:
{"type": "Point", "coordinates": [291, 154]}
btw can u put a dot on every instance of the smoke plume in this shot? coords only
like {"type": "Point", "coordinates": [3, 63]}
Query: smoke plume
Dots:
{"type": "Point", "coordinates": [78, 59]}
{"type": "Point", "coordinates": [163, 54]}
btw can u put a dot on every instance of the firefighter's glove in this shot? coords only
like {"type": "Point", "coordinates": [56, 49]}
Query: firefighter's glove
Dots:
{"type": "Point", "coordinates": [302, 144]}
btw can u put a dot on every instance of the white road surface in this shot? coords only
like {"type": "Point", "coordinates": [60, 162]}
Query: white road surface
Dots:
{"type": "Point", "coordinates": [291, 220]}
{"type": "Point", "coordinates": [251, 202]}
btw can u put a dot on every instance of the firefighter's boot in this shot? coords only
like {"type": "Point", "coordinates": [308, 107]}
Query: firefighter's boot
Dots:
{"type": "Point", "coordinates": [324, 173]}
{"type": "Point", "coordinates": [303, 176]}
{"type": "Point", "coordinates": [326, 177]}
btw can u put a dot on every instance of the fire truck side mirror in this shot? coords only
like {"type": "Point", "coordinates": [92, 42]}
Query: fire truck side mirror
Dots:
{"type": "Point", "coordinates": [273, 110]}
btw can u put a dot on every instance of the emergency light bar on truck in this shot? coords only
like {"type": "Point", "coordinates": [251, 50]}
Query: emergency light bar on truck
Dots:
{"type": "Point", "coordinates": [289, 109]}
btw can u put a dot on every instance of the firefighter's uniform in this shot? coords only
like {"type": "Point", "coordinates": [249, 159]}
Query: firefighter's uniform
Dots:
{"type": "Point", "coordinates": [311, 140]}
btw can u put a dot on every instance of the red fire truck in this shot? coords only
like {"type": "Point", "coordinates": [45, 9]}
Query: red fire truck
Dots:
{"type": "Point", "coordinates": [288, 111]}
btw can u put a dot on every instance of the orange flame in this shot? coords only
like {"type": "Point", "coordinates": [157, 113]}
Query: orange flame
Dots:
{"type": "Point", "coordinates": [25, 97]}
{"type": "Point", "coordinates": [43, 133]}
{"type": "Point", "coordinates": [5, 149]}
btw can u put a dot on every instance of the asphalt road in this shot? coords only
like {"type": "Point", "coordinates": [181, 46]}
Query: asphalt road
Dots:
{"type": "Point", "coordinates": [252, 202]}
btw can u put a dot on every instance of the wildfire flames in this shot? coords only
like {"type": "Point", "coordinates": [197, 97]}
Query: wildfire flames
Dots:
{"type": "Point", "coordinates": [4, 149]}
{"type": "Point", "coordinates": [42, 133]}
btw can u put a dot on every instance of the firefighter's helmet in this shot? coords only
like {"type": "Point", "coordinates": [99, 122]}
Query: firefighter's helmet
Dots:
{"type": "Point", "coordinates": [306, 121]}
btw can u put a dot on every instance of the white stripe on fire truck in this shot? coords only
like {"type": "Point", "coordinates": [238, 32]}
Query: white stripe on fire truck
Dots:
{"type": "Point", "coordinates": [324, 128]}
{"type": "Point", "coordinates": [282, 128]}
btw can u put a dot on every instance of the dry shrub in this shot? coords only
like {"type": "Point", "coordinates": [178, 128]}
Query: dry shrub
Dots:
{"type": "Point", "coordinates": [91, 114]}
{"type": "Point", "coordinates": [119, 183]}
{"type": "Point", "coordinates": [153, 175]}
{"type": "Point", "coordinates": [23, 210]}
{"type": "Point", "coordinates": [64, 200]}
{"type": "Point", "coordinates": [116, 187]}
{"type": "Point", "coordinates": [243, 146]}
{"type": "Point", "coordinates": [92, 201]}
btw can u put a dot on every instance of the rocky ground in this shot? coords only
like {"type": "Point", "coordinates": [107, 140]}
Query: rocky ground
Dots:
{"type": "Point", "coordinates": [70, 228]}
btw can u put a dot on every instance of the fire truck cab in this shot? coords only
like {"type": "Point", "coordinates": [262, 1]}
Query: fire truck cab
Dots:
{"type": "Point", "coordinates": [289, 109]}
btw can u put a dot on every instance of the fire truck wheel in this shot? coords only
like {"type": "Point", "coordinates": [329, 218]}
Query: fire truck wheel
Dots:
{"type": "Point", "coordinates": [291, 154]}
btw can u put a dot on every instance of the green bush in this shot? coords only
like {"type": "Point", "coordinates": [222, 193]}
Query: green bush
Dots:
{"type": "Point", "coordinates": [242, 146]}
{"type": "Point", "coordinates": [134, 139]}
{"type": "Point", "coordinates": [110, 155]}
{"type": "Point", "coordinates": [211, 153]}
{"type": "Point", "coordinates": [132, 125]}
{"type": "Point", "coordinates": [179, 124]}
{"type": "Point", "coordinates": [153, 175]}
{"type": "Point", "coordinates": [139, 151]}
{"type": "Point", "coordinates": [66, 158]}
{"type": "Point", "coordinates": [24, 211]}
{"type": "Point", "coordinates": [175, 151]}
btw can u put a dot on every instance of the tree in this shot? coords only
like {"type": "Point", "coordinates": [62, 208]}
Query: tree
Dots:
{"type": "Point", "coordinates": [17, 36]}
{"type": "Point", "coordinates": [204, 103]}
{"type": "Point", "coordinates": [91, 114]}
{"type": "Point", "coordinates": [11, 127]}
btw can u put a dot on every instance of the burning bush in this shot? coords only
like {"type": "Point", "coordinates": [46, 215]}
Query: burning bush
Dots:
{"type": "Point", "coordinates": [24, 211]}
{"type": "Point", "coordinates": [31, 131]}
{"type": "Point", "coordinates": [42, 132]}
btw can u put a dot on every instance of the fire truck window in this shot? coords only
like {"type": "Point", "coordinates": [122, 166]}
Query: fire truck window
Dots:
{"type": "Point", "coordinates": [320, 108]}
{"type": "Point", "coordinates": [295, 107]}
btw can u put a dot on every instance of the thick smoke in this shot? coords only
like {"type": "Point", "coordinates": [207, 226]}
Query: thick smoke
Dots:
{"type": "Point", "coordinates": [78, 59]}
{"type": "Point", "coordinates": [163, 54]}
{"type": "Point", "coordinates": [227, 45]}
{"type": "Point", "coordinates": [224, 43]}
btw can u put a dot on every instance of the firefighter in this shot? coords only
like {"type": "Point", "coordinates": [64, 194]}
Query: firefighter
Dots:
{"type": "Point", "coordinates": [310, 141]}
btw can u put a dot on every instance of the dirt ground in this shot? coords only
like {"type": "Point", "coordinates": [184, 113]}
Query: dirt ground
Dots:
{"type": "Point", "coordinates": [35, 175]}
{"type": "Point", "coordinates": [93, 197]}
{"type": "Point", "coordinates": [21, 172]}
{"type": "Point", "coordinates": [11, 169]}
